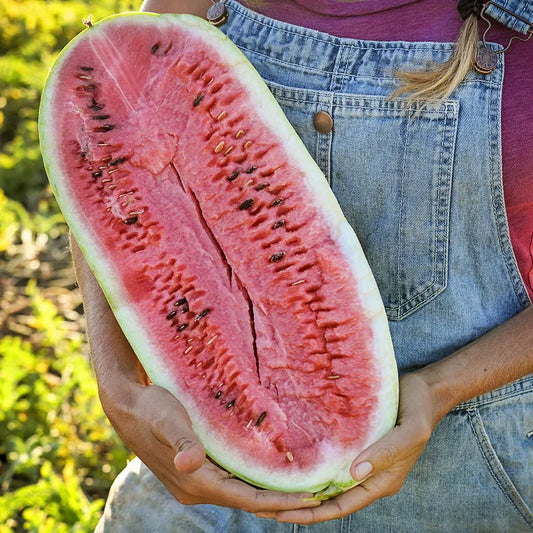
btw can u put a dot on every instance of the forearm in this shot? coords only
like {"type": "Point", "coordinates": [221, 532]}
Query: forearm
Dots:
{"type": "Point", "coordinates": [496, 358]}
{"type": "Point", "coordinates": [114, 362]}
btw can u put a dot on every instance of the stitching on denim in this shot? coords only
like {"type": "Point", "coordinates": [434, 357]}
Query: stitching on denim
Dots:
{"type": "Point", "coordinates": [399, 246]}
{"type": "Point", "coordinates": [347, 75]}
{"type": "Point", "coordinates": [499, 213]}
{"type": "Point", "coordinates": [335, 83]}
{"type": "Point", "coordinates": [344, 61]}
{"type": "Point", "coordinates": [444, 195]}
{"type": "Point", "coordinates": [328, 146]}
{"type": "Point", "coordinates": [323, 145]}
{"type": "Point", "coordinates": [349, 524]}
{"type": "Point", "coordinates": [496, 468]}
{"type": "Point", "coordinates": [303, 68]}
{"type": "Point", "coordinates": [396, 108]}
{"type": "Point", "coordinates": [437, 284]}
{"type": "Point", "coordinates": [524, 13]}
{"type": "Point", "coordinates": [361, 44]}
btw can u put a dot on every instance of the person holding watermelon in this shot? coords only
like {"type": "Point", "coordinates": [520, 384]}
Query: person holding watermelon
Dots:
{"type": "Point", "coordinates": [461, 455]}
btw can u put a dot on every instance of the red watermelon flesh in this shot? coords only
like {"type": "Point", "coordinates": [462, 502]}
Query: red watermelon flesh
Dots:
{"type": "Point", "coordinates": [221, 249]}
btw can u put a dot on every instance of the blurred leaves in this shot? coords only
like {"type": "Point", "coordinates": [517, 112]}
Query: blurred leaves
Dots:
{"type": "Point", "coordinates": [58, 453]}
{"type": "Point", "coordinates": [32, 32]}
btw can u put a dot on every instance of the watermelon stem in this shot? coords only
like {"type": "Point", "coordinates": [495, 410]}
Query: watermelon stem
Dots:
{"type": "Point", "coordinates": [88, 21]}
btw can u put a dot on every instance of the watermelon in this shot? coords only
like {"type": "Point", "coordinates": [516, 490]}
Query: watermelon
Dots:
{"type": "Point", "coordinates": [221, 248]}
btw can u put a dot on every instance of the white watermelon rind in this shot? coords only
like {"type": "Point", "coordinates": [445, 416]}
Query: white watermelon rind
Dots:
{"type": "Point", "coordinates": [333, 476]}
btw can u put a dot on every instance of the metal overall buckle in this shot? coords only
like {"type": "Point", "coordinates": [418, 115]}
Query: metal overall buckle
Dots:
{"type": "Point", "coordinates": [217, 14]}
{"type": "Point", "coordinates": [487, 58]}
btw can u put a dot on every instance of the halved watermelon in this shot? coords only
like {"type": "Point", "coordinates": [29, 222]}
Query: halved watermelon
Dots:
{"type": "Point", "coordinates": [221, 248]}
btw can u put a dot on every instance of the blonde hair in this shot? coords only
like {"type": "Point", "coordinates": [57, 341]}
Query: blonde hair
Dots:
{"type": "Point", "coordinates": [436, 83]}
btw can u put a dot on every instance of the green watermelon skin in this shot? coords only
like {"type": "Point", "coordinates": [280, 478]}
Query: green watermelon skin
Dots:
{"type": "Point", "coordinates": [221, 249]}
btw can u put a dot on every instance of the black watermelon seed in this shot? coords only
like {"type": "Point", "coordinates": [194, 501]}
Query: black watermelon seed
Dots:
{"type": "Point", "coordinates": [202, 314]}
{"type": "Point", "coordinates": [96, 174]}
{"type": "Point", "coordinates": [116, 162]}
{"type": "Point", "coordinates": [261, 186]}
{"type": "Point", "coordinates": [277, 257]}
{"type": "Point", "coordinates": [171, 315]}
{"type": "Point", "coordinates": [277, 201]}
{"type": "Point", "coordinates": [100, 117]}
{"type": "Point", "coordinates": [230, 404]}
{"type": "Point", "coordinates": [103, 129]}
{"type": "Point", "coordinates": [246, 204]}
{"type": "Point", "coordinates": [185, 308]}
{"type": "Point", "coordinates": [95, 106]}
{"type": "Point", "coordinates": [198, 99]}
{"type": "Point", "coordinates": [250, 170]}
{"type": "Point", "coordinates": [181, 301]}
{"type": "Point", "coordinates": [261, 418]}
{"type": "Point", "coordinates": [155, 47]}
{"type": "Point", "coordinates": [278, 224]}
{"type": "Point", "coordinates": [131, 220]}
{"type": "Point", "coordinates": [87, 69]}
{"type": "Point", "coordinates": [234, 175]}
{"type": "Point", "coordinates": [181, 327]}
{"type": "Point", "coordinates": [218, 395]}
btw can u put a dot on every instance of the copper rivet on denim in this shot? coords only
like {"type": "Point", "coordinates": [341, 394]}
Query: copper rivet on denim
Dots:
{"type": "Point", "coordinates": [322, 122]}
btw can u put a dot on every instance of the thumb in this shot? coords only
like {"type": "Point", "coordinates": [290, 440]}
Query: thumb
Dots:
{"type": "Point", "coordinates": [174, 429]}
{"type": "Point", "coordinates": [190, 454]}
{"type": "Point", "coordinates": [401, 445]}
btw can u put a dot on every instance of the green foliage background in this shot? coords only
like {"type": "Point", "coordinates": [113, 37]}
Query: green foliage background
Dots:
{"type": "Point", "coordinates": [58, 454]}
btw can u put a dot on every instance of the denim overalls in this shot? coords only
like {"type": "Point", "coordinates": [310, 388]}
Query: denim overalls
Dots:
{"type": "Point", "coordinates": [423, 190]}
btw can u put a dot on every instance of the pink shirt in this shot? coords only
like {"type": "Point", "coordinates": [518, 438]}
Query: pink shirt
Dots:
{"type": "Point", "coordinates": [439, 21]}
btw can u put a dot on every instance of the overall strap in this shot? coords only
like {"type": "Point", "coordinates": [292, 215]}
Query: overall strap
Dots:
{"type": "Point", "coordinates": [515, 14]}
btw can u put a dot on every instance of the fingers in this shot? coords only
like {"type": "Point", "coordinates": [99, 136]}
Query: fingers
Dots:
{"type": "Point", "coordinates": [172, 427]}
{"type": "Point", "coordinates": [235, 493]}
{"type": "Point", "coordinates": [398, 446]}
{"type": "Point", "coordinates": [211, 484]}
{"type": "Point", "coordinates": [159, 431]}
{"type": "Point", "coordinates": [343, 505]}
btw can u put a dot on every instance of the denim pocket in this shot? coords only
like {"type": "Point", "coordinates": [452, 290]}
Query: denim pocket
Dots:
{"type": "Point", "coordinates": [392, 174]}
{"type": "Point", "coordinates": [390, 168]}
{"type": "Point", "coordinates": [503, 428]}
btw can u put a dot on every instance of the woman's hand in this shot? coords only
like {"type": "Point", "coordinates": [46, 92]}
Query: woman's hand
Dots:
{"type": "Point", "coordinates": [156, 427]}
{"type": "Point", "coordinates": [153, 424]}
{"type": "Point", "coordinates": [383, 466]}
{"type": "Point", "coordinates": [493, 360]}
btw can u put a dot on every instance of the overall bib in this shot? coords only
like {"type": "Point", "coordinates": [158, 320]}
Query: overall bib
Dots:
{"type": "Point", "coordinates": [423, 190]}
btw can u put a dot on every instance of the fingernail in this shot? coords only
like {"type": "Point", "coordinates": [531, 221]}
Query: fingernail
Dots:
{"type": "Point", "coordinates": [362, 470]}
